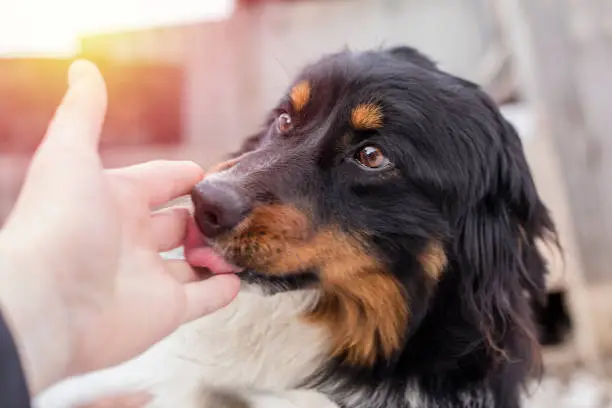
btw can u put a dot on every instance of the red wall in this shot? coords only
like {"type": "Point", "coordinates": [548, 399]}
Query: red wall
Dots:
{"type": "Point", "coordinates": [144, 102]}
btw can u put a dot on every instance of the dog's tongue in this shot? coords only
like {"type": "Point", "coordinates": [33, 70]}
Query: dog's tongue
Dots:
{"type": "Point", "coordinates": [199, 254]}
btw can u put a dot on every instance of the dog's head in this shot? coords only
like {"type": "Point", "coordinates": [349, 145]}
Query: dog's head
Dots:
{"type": "Point", "coordinates": [403, 195]}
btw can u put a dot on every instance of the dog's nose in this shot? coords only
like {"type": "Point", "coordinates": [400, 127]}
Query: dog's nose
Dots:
{"type": "Point", "coordinates": [218, 208]}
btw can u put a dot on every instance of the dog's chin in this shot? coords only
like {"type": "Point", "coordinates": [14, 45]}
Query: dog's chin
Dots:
{"type": "Point", "coordinates": [274, 284]}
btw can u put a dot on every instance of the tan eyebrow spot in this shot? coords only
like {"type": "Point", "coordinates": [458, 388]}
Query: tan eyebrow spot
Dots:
{"type": "Point", "coordinates": [300, 95]}
{"type": "Point", "coordinates": [367, 116]}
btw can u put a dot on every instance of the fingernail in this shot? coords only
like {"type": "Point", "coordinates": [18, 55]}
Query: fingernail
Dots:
{"type": "Point", "coordinates": [79, 71]}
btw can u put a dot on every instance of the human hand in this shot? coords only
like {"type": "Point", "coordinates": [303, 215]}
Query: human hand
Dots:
{"type": "Point", "coordinates": [81, 282]}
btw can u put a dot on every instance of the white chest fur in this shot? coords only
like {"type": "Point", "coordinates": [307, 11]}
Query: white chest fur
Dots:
{"type": "Point", "coordinates": [257, 343]}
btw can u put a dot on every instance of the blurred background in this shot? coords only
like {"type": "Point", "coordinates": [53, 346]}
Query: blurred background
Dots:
{"type": "Point", "coordinates": [191, 79]}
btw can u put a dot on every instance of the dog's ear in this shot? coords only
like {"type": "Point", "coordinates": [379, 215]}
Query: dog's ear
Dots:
{"type": "Point", "coordinates": [413, 56]}
{"type": "Point", "coordinates": [502, 269]}
{"type": "Point", "coordinates": [527, 210]}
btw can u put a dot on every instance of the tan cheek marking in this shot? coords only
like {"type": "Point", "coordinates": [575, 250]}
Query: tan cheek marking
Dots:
{"type": "Point", "coordinates": [434, 260]}
{"type": "Point", "coordinates": [366, 316]}
{"type": "Point", "coordinates": [363, 307]}
{"type": "Point", "coordinates": [261, 241]}
{"type": "Point", "coordinates": [367, 116]}
{"type": "Point", "coordinates": [277, 223]}
{"type": "Point", "coordinates": [300, 95]}
{"type": "Point", "coordinates": [226, 165]}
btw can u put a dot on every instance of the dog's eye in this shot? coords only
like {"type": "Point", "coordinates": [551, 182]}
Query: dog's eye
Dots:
{"type": "Point", "coordinates": [284, 123]}
{"type": "Point", "coordinates": [372, 157]}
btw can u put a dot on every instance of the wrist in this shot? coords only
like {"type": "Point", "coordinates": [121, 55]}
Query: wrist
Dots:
{"type": "Point", "coordinates": [33, 312]}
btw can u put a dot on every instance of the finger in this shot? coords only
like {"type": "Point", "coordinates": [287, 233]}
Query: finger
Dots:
{"type": "Point", "coordinates": [161, 180]}
{"type": "Point", "coordinates": [78, 120]}
{"type": "Point", "coordinates": [67, 157]}
{"type": "Point", "coordinates": [169, 228]}
{"type": "Point", "coordinates": [182, 272]}
{"type": "Point", "coordinates": [209, 295]}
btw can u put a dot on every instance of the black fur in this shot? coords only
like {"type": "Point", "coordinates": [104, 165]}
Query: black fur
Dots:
{"type": "Point", "coordinates": [459, 176]}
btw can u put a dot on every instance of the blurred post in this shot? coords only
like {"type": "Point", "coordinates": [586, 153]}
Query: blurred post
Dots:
{"type": "Point", "coordinates": [564, 66]}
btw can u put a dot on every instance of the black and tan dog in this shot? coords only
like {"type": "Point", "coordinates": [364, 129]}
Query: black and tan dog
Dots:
{"type": "Point", "coordinates": [387, 222]}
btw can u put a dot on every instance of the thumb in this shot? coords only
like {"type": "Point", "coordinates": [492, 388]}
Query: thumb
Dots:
{"type": "Point", "coordinates": [67, 159]}
{"type": "Point", "coordinates": [77, 123]}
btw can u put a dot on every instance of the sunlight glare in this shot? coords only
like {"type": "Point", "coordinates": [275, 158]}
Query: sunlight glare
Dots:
{"type": "Point", "coordinates": [54, 26]}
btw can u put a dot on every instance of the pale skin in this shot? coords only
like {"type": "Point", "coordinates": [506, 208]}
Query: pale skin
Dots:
{"type": "Point", "coordinates": [80, 271]}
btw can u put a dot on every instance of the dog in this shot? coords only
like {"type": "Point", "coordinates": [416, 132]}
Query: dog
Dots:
{"type": "Point", "coordinates": [389, 228]}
